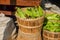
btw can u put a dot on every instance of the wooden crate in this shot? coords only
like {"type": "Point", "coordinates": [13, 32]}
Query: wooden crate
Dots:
{"type": "Point", "coordinates": [6, 12]}
{"type": "Point", "coordinates": [5, 2]}
{"type": "Point", "coordinates": [6, 9]}
{"type": "Point", "coordinates": [20, 2]}
{"type": "Point", "coordinates": [28, 2]}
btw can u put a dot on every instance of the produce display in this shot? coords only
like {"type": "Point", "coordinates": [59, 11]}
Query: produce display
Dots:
{"type": "Point", "coordinates": [29, 12]}
{"type": "Point", "coordinates": [53, 16]}
{"type": "Point", "coordinates": [52, 26]}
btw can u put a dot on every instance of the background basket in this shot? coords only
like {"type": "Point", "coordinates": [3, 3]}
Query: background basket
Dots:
{"type": "Point", "coordinates": [28, 2]}
{"type": "Point", "coordinates": [47, 35]}
{"type": "Point", "coordinates": [21, 2]}
{"type": "Point", "coordinates": [30, 29]}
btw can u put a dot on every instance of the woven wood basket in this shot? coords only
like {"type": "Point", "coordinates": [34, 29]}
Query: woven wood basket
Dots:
{"type": "Point", "coordinates": [30, 30]}
{"type": "Point", "coordinates": [29, 27]}
{"type": "Point", "coordinates": [47, 35]}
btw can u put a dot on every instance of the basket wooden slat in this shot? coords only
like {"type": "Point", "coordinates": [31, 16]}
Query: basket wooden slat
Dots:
{"type": "Point", "coordinates": [47, 35]}
{"type": "Point", "coordinates": [28, 36]}
{"type": "Point", "coordinates": [30, 25]}
{"type": "Point", "coordinates": [28, 2]}
{"type": "Point", "coordinates": [30, 22]}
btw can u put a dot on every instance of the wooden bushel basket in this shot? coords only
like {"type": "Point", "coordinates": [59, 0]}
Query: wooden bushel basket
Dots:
{"type": "Point", "coordinates": [47, 35]}
{"type": "Point", "coordinates": [28, 36]}
{"type": "Point", "coordinates": [28, 25]}
{"type": "Point", "coordinates": [29, 28]}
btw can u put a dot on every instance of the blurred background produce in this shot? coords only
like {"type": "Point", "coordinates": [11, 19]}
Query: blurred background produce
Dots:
{"type": "Point", "coordinates": [52, 22]}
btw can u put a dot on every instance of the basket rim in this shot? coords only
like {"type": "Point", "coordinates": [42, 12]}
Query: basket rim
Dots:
{"type": "Point", "coordinates": [54, 20]}
{"type": "Point", "coordinates": [29, 27]}
{"type": "Point", "coordinates": [29, 19]}
{"type": "Point", "coordinates": [51, 32]}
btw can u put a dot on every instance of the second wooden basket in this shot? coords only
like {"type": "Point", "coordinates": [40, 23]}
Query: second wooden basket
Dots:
{"type": "Point", "coordinates": [51, 35]}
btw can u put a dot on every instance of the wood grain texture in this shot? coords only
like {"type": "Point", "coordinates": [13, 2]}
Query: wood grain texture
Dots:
{"type": "Point", "coordinates": [21, 2]}
{"type": "Point", "coordinates": [5, 2]}
{"type": "Point", "coordinates": [28, 3]}
{"type": "Point", "coordinates": [29, 29]}
{"type": "Point", "coordinates": [47, 35]}
{"type": "Point", "coordinates": [6, 12]}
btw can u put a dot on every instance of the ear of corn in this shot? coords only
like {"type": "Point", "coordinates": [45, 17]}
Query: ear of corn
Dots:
{"type": "Point", "coordinates": [31, 12]}
{"type": "Point", "coordinates": [40, 11]}
{"type": "Point", "coordinates": [20, 13]}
